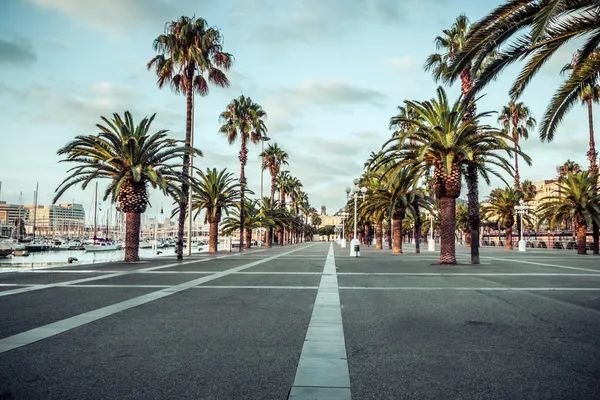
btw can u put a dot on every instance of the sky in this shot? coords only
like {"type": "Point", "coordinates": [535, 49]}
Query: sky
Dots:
{"type": "Point", "coordinates": [329, 74]}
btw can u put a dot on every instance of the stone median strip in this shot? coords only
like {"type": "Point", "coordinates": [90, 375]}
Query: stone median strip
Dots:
{"type": "Point", "coordinates": [55, 328]}
{"type": "Point", "coordinates": [323, 368]}
{"type": "Point", "coordinates": [107, 276]}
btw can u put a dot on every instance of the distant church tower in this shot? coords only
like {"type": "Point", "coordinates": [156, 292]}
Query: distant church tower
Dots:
{"type": "Point", "coordinates": [323, 210]}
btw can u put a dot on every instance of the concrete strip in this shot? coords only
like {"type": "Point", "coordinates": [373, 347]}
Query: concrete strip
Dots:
{"type": "Point", "coordinates": [111, 275]}
{"type": "Point", "coordinates": [55, 328]}
{"type": "Point", "coordinates": [323, 368]}
{"type": "Point", "coordinates": [255, 287]}
{"type": "Point", "coordinates": [461, 274]}
{"type": "Point", "coordinates": [490, 289]}
{"type": "Point", "coordinates": [542, 264]}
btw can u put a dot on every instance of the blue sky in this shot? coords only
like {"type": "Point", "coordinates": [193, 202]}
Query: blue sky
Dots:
{"type": "Point", "coordinates": [329, 73]}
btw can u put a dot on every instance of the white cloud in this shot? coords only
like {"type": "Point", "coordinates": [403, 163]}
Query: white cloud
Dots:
{"type": "Point", "coordinates": [402, 62]}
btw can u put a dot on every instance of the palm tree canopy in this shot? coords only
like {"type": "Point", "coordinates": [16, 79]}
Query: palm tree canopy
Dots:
{"type": "Point", "coordinates": [500, 205]}
{"type": "Point", "coordinates": [517, 120]}
{"type": "Point", "coordinates": [576, 198]}
{"type": "Point", "coordinates": [441, 133]}
{"type": "Point", "coordinates": [534, 30]}
{"type": "Point", "coordinates": [243, 117]}
{"type": "Point", "coordinates": [215, 191]}
{"type": "Point", "coordinates": [125, 153]}
{"type": "Point", "coordinates": [190, 49]}
{"type": "Point", "coordinates": [273, 157]}
{"type": "Point", "coordinates": [451, 42]}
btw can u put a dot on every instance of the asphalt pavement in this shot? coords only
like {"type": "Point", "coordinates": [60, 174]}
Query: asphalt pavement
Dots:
{"type": "Point", "coordinates": [306, 321]}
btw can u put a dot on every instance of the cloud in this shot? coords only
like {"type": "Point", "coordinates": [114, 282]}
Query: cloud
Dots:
{"type": "Point", "coordinates": [16, 51]}
{"type": "Point", "coordinates": [331, 94]}
{"type": "Point", "coordinates": [402, 62]}
{"type": "Point", "coordinates": [117, 16]}
{"type": "Point", "coordinates": [310, 21]}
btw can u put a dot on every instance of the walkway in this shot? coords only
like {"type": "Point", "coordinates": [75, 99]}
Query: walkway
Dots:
{"type": "Point", "coordinates": [305, 322]}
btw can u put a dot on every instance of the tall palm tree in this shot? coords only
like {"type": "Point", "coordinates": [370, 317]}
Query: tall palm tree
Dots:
{"type": "Point", "coordinates": [451, 43]}
{"type": "Point", "coordinates": [500, 205]}
{"type": "Point", "coordinates": [589, 95]}
{"type": "Point", "coordinates": [216, 192]}
{"type": "Point", "coordinates": [243, 118]}
{"type": "Point", "coordinates": [273, 158]}
{"type": "Point", "coordinates": [534, 30]}
{"type": "Point", "coordinates": [444, 141]}
{"type": "Point", "coordinates": [577, 199]}
{"type": "Point", "coordinates": [284, 181]}
{"type": "Point", "coordinates": [517, 120]}
{"type": "Point", "coordinates": [132, 158]}
{"type": "Point", "coordinates": [190, 56]}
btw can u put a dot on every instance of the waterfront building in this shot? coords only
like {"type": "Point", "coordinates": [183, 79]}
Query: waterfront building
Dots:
{"type": "Point", "coordinates": [65, 219]}
{"type": "Point", "coordinates": [9, 215]}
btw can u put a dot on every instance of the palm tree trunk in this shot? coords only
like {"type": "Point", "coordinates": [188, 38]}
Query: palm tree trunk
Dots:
{"type": "Point", "coordinates": [132, 236]}
{"type": "Point", "coordinates": [517, 178]}
{"type": "Point", "coordinates": [581, 239]}
{"type": "Point", "coordinates": [248, 233]}
{"type": "Point", "coordinates": [268, 238]}
{"type": "Point", "coordinates": [508, 245]}
{"type": "Point", "coordinates": [379, 235]}
{"type": "Point", "coordinates": [367, 235]}
{"type": "Point", "coordinates": [243, 158]}
{"type": "Point", "coordinates": [186, 164]}
{"type": "Point", "coordinates": [397, 228]}
{"type": "Point", "coordinates": [417, 229]}
{"type": "Point", "coordinates": [213, 235]}
{"type": "Point", "coordinates": [473, 209]}
{"type": "Point", "coordinates": [388, 233]}
{"type": "Point", "coordinates": [448, 226]}
{"type": "Point", "coordinates": [592, 154]}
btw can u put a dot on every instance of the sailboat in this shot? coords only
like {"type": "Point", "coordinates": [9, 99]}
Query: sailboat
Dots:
{"type": "Point", "coordinates": [100, 244]}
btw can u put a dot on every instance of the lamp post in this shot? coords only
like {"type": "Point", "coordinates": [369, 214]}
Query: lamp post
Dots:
{"type": "Point", "coordinates": [355, 243]}
{"type": "Point", "coordinates": [521, 209]}
{"type": "Point", "coordinates": [343, 241]}
{"type": "Point", "coordinates": [431, 240]}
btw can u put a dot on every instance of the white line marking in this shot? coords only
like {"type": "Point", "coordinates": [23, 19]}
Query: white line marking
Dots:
{"type": "Point", "coordinates": [543, 264]}
{"type": "Point", "coordinates": [323, 361]}
{"type": "Point", "coordinates": [107, 276]}
{"type": "Point", "coordinates": [55, 328]}
{"type": "Point", "coordinates": [254, 287]}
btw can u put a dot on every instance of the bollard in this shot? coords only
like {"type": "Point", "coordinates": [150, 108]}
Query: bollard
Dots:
{"type": "Point", "coordinates": [356, 249]}
{"type": "Point", "coordinates": [71, 259]}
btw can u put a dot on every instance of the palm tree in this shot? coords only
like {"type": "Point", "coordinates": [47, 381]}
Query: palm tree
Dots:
{"type": "Point", "coordinates": [529, 190]}
{"type": "Point", "coordinates": [190, 56]}
{"type": "Point", "coordinates": [273, 158]}
{"type": "Point", "coordinates": [216, 192]}
{"type": "Point", "coordinates": [534, 30]}
{"type": "Point", "coordinates": [451, 43]}
{"type": "Point", "coordinates": [577, 200]}
{"type": "Point", "coordinates": [245, 119]}
{"type": "Point", "coordinates": [443, 140]}
{"type": "Point", "coordinates": [517, 120]}
{"type": "Point", "coordinates": [284, 181]}
{"type": "Point", "coordinates": [500, 205]}
{"type": "Point", "coordinates": [131, 157]}
{"type": "Point", "coordinates": [568, 166]}
{"type": "Point", "coordinates": [589, 95]}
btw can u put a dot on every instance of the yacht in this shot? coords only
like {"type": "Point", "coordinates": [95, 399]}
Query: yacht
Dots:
{"type": "Point", "coordinates": [101, 245]}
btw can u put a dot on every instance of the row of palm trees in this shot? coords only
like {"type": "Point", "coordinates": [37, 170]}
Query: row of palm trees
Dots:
{"type": "Point", "coordinates": [190, 58]}
{"type": "Point", "coordinates": [440, 142]}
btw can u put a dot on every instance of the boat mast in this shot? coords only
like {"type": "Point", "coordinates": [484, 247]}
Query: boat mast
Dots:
{"type": "Point", "coordinates": [35, 199]}
{"type": "Point", "coordinates": [19, 220]}
{"type": "Point", "coordinates": [95, 211]}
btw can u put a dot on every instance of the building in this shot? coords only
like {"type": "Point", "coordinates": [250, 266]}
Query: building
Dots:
{"type": "Point", "coordinates": [9, 214]}
{"type": "Point", "coordinates": [543, 189]}
{"type": "Point", "coordinates": [56, 219]}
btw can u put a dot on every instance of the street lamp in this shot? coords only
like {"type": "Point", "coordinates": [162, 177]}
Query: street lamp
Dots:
{"type": "Point", "coordinates": [521, 209]}
{"type": "Point", "coordinates": [344, 215]}
{"type": "Point", "coordinates": [355, 243]}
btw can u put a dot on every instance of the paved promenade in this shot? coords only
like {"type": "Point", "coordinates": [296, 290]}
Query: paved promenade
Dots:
{"type": "Point", "coordinates": [306, 322]}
